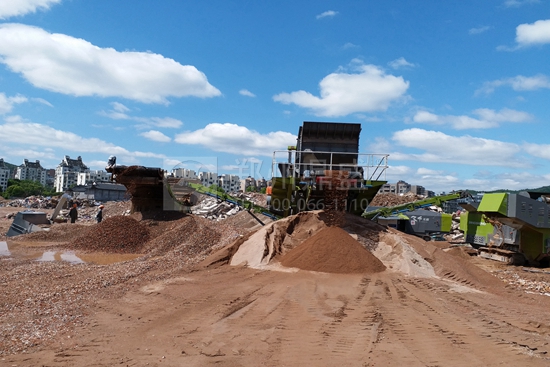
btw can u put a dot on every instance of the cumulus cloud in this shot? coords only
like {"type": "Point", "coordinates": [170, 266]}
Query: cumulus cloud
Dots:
{"type": "Point", "coordinates": [245, 92]}
{"type": "Point", "coordinates": [345, 93]}
{"type": "Point", "coordinates": [327, 14]}
{"type": "Point", "coordinates": [12, 8]}
{"type": "Point", "coordinates": [155, 135]}
{"type": "Point", "coordinates": [436, 146]}
{"type": "Point", "coordinates": [486, 118]}
{"type": "Point", "coordinates": [517, 83]}
{"type": "Point", "coordinates": [73, 66]}
{"type": "Point", "coordinates": [16, 130]}
{"type": "Point", "coordinates": [232, 138]}
{"type": "Point", "coordinates": [478, 30]}
{"type": "Point", "coordinates": [538, 150]}
{"type": "Point", "coordinates": [537, 33]}
{"type": "Point", "coordinates": [7, 103]}
{"type": "Point", "coordinates": [400, 63]}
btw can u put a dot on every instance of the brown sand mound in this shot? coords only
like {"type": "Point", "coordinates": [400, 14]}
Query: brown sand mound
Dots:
{"type": "Point", "coordinates": [332, 250]}
{"type": "Point", "coordinates": [119, 234]}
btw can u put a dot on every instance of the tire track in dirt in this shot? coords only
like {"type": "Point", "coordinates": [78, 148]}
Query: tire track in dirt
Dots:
{"type": "Point", "coordinates": [354, 330]}
{"type": "Point", "coordinates": [297, 336]}
{"type": "Point", "coordinates": [446, 334]}
{"type": "Point", "coordinates": [502, 321]}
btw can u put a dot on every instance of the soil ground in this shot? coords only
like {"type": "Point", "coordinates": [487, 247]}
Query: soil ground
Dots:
{"type": "Point", "coordinates": [170, 310]}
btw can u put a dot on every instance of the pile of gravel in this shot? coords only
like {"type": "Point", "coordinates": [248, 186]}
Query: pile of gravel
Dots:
{"type": "Point", "coordinates": [120, 234]}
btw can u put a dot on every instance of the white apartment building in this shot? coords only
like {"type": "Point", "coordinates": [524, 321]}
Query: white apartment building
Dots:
{"type": "Point", "coordinates": [208, 178]}
{"type": "Point", "coordinates": [184, 173]}
{"type": "Point", "coordinates": [229, 183]}
{"type": "Point", "coordinates": [66, 173]}
{"type": "Point", "coordinates": [91, 177]}
{"type": "Point", "coordinates": [4, 175]}
{"type": "Point", "coordinates": [31, 171]}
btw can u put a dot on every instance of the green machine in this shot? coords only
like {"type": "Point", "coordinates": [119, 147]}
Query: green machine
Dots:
{"type": "Point", "coordinates": [512, 228]}
{"type": "Point", "coordinates": [325, 168]}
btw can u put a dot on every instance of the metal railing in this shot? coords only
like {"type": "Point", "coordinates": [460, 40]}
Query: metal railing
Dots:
{"type": "Point", "coordinates": [372, 166]}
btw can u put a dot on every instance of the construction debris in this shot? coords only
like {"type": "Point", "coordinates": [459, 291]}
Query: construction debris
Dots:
{"type": "Point", "coordinates": [389, 199]}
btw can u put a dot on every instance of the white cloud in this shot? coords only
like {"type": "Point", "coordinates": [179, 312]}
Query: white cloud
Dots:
{"type": "Point", "coordinates": [518, 3]}
{"type": "Point", "coordinates": [42, 101]}
{"type": "Point", "coordinates": [326, 14]}
{"type": "Point", "coordinates": [119, 107]}
{"type": "Point", "coordinates": [478, 30]}
{"type": "Point", "coordinates": [11, 8]}
{"type": "Point", "coordinates": [156, 136]}
{"type": "Point", "coordinates": [245, 92]}
{"type": "Point", "coordinates": [68, 65]}
{"type": "Point", "coordinates": [504, 115]}
{"type": "Point", "coordinates": [232, 138]}
{"type": "Point", "coordinates": [345, 93]}
{"type": "Point", "coordinates": [537, 150]}
{"type": "Point", "coordinates": [15, 130]}
{"type": "Point", "coordinates": [518, 83]}
{"type": "Point", "coordinates": [487, 118]}
{"type": "Point", "coordinates": [400, 63]}
{"type": "Point", "coordinates": [380, 145]}
{"type": "Point", "coordinates": [436, 146]}
{"type": "Point", "coordinates": [534, 33]}
{"type": "Point", "coordinates": [7, 103]}
{"type": "Point", "coordinates": [349, 45]}
{"type": "Point", "coordinates": [428, 172]}
{"type": "Point", "coordinates": [119, 112]}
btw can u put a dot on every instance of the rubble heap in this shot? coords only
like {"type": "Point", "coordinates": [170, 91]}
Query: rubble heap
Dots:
{"type": "Point", "coordinates": [332, 250]}
{"type": "Point", "coordinates": [389, 199]}
{"type": "Point", "coordinates": [214, 209]}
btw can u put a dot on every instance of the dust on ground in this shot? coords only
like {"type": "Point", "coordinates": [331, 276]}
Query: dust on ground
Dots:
{"type": "Point", "coordinates": [212, 293]}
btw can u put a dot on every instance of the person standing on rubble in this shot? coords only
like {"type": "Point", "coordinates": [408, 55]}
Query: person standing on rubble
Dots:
{"type": "Point", "coordinates": [268, 191]}
{"type": "Point", "coordinates": [99, 215]}
{"type": "Point", "coordinates": [73, 214]}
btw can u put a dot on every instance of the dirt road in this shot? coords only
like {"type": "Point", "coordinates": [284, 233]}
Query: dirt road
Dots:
{"type": "Point", "coordinates": [233, 316]}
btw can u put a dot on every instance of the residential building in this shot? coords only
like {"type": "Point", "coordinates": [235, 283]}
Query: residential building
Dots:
{"type": "Point", "coordinates": [184, 173]}
{"type": "Point", "coordinates": [229, 183]}
{"type": "Point", "coordinates": [31, 171]}
{"type": "Point", "coordinates": [4, 175]}
{"type": "Point", "coordinates": [398, 188]}
{"type": "Point", "coordinates": [90, 177]}
{"type": "Point", "coordinates": [248, 182]}
{"type": "Point", "coordinates": [418, 190]}
{"type": "Point", "coordinates": [208, 178]}
{"type": "Point", "coordinates": [66, 173]}
{"type": "Point", "coordinates": [50, 177]}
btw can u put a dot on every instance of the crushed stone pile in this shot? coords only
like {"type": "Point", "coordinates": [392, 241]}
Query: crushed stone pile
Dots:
{"type": "Point", "coordinates": [62, 232]}
{"type": "Point", "coordinates": [389, 199]}
{"type": "Point", "coordinates": [332, 250]}
{"type": "Point", "coordinates": [119, 234]}
{"type": "Point", "coordinates": [191, 236]}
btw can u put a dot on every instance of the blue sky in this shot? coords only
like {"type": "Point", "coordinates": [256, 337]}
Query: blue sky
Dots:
{"type": "Point", "coordinates": [457, 93]}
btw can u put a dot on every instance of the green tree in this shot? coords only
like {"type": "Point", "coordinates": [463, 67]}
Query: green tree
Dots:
{"type": "Point", "coordinates": [24, 188]}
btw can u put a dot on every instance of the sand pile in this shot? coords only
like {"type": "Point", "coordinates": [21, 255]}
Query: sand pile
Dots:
{"type": "Point", "coordinates": [332, 250]}
{"type": "Point", "coordinates": [119, 234]}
